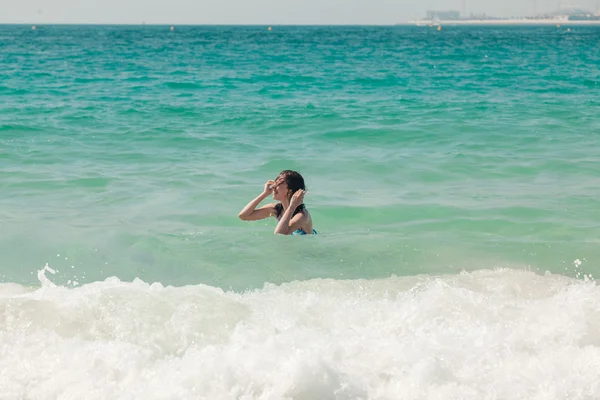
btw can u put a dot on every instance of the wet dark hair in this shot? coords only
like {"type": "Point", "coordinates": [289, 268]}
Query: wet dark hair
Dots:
{"type": "Point", "coordinates": [294, 182]}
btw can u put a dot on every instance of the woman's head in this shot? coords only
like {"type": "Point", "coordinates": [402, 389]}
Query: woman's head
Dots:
{"type": "Point", "coordinates": [286, 184]}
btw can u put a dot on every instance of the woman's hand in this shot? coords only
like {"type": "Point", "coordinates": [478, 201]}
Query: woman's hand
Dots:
{"type": "Point", "coordinates": [297, 199]}
{"type": "Point", "coordinates": [269, 187]}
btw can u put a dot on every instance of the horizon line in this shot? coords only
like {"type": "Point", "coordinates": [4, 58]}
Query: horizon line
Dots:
{"type": "Point", "coordinates": [168, 24]}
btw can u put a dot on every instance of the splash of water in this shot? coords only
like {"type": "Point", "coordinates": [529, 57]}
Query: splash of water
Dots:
{"type": "Point", "coordinates": [502, 333]}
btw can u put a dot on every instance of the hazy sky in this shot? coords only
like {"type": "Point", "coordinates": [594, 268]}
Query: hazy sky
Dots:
{"type": "Point", "coordinates": [258, 11]}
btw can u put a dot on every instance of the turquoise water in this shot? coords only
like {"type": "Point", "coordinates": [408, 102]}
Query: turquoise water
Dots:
{"type": "Point", "coordinates": [445, 169]}
{"type": "Point", "coordinates": [129, 150]}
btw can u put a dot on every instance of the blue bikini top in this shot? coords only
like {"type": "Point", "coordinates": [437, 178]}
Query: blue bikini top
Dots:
{"type": "Point", "coordinates": [301, 232]}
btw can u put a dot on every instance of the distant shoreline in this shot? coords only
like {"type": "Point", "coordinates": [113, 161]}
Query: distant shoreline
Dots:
{"type": "Point", "coordinates": [499, 22]}
{"type": "Point", "coordinates": [505, 22]}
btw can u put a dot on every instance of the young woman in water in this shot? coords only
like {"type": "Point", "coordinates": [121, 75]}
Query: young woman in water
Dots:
{"type": "Point", "coordinates": [288, 188]}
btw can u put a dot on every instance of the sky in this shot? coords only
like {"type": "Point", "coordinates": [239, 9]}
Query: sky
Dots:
{"type": "Point", "coordinates": [267, 12]}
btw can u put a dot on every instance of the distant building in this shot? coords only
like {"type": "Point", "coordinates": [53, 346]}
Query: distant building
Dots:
{"type": "Point", "coordinates": [584, 17]}
{"type": "Point", "coordinates": [451, 15]}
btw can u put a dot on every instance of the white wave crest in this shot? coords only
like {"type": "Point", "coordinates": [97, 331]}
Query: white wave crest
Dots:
{"type": "Point", "coordinates": [500, 334]}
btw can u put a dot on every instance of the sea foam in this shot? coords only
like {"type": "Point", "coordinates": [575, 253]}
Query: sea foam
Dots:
{"type": "Point", "coordinates": [490, 334]}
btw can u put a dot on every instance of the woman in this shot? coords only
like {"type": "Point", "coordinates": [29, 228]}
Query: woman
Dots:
{"type": "Point", "coordinates": [288, 188]}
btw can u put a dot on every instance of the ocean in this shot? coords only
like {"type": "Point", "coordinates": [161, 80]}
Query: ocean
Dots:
{"type": "Point", "coordinates": [453, 177]}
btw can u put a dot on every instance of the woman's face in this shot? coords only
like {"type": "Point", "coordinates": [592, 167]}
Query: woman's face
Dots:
{"type": "Point", "coordinates": [280, 189]}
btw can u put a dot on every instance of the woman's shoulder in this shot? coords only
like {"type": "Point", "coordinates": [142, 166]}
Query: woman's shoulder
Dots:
{"type": "Point", "coordinates": [306, 214]}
